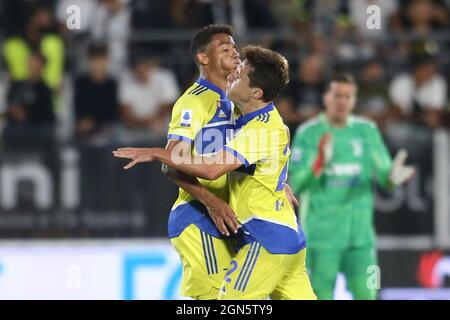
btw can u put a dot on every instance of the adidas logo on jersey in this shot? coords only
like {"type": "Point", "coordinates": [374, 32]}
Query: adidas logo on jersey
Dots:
{"type": "Point", "coordinates": [222, 114]}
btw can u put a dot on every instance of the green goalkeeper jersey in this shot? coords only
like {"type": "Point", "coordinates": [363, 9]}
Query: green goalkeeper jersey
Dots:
{"type": "Point", "coordinates": [337, 207]}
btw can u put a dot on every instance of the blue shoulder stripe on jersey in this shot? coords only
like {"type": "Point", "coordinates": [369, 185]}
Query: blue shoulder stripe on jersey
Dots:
{"type": "Point", "coordinates": [199, 92]}
{"type": "Point", "coordinates": [243, 120]}
{"type": "Point", "coordinates": [264, 117]}
{"type": "Point", "coordinates": [237, 155]}
{"type": "Point", "coordinates": [213, 87]}
{"type": "Point", "coordinates": [198, 89]}
{"type": "Point", "coordinates": [178, 138]}
{"type": "Point", "coordinates": [195, 89]}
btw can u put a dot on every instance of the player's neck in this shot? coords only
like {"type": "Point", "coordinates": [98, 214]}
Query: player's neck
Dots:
{"type": "Point", "coordinates": [336, 122]}
{"type": "Point", "coordinates": [217, 79]}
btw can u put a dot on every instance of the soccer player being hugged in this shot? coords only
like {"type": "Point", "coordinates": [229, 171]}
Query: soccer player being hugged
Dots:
{"type": "Point", "coordinates": [271, 247]}
{"type": "Point", "coordinates": [334, 159]}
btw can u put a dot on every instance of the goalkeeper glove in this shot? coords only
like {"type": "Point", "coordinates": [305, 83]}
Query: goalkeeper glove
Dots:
{"type": "Point", "coordinates": [399, 172]}
{"type": "Point", "coordinates": [325, 153]}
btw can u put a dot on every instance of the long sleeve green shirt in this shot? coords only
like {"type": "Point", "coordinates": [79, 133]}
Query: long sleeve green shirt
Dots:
{"type": "Point", "coordinates": [337, 207]}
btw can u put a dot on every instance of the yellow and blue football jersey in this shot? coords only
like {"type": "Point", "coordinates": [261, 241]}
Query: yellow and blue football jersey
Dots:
{"type": "Point", "coordinates": [270, 261]}
{"type": "Point", "coordinates": [257, 193]}
{"type": "Point", "coordinates": [204, 117]}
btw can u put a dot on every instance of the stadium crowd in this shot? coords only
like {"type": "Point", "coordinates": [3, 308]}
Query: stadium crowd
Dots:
{"type": "Point", "coordinates": [118, 75]}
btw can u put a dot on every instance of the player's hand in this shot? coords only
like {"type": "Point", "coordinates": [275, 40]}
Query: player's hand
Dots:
{"type": "Point", "coordinates": [324, 154]}
{"type": "Point", "coordinates": [399, 172]}
{"type": "Point", "coordinates": [137, 155]}
{"type": "Point", "coordinates": [223, 216]}
{"type": "Point", "coordinates": [291, 196]}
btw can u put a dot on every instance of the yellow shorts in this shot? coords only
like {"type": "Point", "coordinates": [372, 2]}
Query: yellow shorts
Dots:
{"type": "Point", "coordinates": [256, 274]}
{"type": "Point", "coordinates": [205, 260]}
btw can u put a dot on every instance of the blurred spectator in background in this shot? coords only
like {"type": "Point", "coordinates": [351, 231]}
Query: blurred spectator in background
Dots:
{"type": "Point", "coordinates": [373, 97]}
{"type": "Point", "coordinates": [29, 116]}
{"type": "Point", "coordinates": [419, 18]}
{"type": "Point", "coordinates": [302, 98]}
{"type": "Point", "coordinates": [424, 16]}
{"type": "Point", "coordinates": [95, 97]}
{"type": "Point", "coordinates": [146, 96]}
{"type": "Point", "coordinates": [111, 23]}
{"type": "Point", "coordinates": [39, 34]}
{"type": "Point", "coordinates": [421, 94]}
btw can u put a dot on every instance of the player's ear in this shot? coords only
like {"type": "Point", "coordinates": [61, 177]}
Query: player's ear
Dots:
{"type": "Point", "coordinates": [202, 58]}
{"type": "Point", "coordinates": [257, 93]}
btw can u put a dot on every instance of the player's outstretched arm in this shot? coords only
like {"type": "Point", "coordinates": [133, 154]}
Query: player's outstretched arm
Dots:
{"type": "Point", "coordinates": [219, 211]}
{"type": "Point", "coordinates": [400, 173]}
{"type": "Point", "coordinates": [390, 174]}
{"type": "Point", "coordinates": [209, 168]}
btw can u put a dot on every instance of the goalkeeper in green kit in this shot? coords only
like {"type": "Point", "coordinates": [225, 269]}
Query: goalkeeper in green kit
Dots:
{"type": "Point", "coordinates": [335, 157]}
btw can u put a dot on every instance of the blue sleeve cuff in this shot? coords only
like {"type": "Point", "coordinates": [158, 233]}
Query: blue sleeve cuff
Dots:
{"type": "Point", "coordinates": [237, 155]}
{"type": "Point", "coordinates": [178, 138]}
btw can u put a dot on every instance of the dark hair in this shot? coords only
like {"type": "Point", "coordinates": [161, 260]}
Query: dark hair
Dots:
{"type": "Point", "coordinates": [421, 60]}
{"type": "Point", "coordinates": [139, 57]}
{"type": "Point", "coordinates": [97, 50]}
{"type": "Point", "coordinates": [269, 70]}
{"type": "Point", "coordinates": [341, 78]}
{"type": "Point", "coordinates": [203, 37]}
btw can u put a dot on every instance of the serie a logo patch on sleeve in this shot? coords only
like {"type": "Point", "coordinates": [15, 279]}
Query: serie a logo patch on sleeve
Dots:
{"type": "Point", "coordinates": [186, 118]}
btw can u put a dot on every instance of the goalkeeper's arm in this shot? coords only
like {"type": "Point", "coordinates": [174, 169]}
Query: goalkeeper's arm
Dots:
{"type": "Point", "coordinates": [390, 174]}
{"type": "Point", "coordinates": [400, 173]}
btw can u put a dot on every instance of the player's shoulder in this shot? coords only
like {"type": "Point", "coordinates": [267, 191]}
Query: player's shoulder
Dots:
{"type": "Point", "coordinates": [363, 122]}
{"type": "Point", "coordinates": [309, 126]}
{"type": "Point", "coordinates": [196, 96]}
{"type": "Point", "coordinates": [269, 119]}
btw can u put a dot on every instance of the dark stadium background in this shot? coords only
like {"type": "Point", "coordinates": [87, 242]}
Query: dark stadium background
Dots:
{"type": "Point", "coordinates": [74, 225]}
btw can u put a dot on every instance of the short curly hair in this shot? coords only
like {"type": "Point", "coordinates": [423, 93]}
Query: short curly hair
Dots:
{"type": "Point", "coordinates": [269, 70]}
{"type": "Point", "coordinates": [203, 37]}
